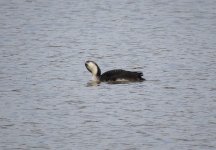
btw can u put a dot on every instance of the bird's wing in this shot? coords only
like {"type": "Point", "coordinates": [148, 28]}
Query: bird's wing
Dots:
{"type": "Point", "coordinates": [114, 75]}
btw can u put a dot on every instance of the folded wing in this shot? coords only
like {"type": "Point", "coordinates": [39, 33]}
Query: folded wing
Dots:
{"type": "Point", "coordinates": [119, 74]}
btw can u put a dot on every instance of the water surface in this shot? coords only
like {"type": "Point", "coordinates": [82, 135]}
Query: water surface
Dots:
{"type": "Point", "coordinates": [47, 101]}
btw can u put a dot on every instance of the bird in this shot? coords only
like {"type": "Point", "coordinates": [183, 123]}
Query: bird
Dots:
{"type": "Point", "coordinates": [113, 75]}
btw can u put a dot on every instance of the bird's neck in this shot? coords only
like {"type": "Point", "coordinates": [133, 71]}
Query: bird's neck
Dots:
{"type": "Point", "coordinates": [95, 78]}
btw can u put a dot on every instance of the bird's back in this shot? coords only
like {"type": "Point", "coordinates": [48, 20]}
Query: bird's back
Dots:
{"type": "Point", "coordinates": [119, 74]}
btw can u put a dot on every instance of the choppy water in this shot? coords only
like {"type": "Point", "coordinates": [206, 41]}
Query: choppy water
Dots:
{"type": "Point", "coordinates": [47, 102]}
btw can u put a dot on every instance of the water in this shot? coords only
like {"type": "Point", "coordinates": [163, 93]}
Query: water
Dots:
{"type": "Point", "coordinates": [48, 102]}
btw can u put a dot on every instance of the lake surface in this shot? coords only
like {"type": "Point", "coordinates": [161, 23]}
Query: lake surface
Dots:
{"type": "Point", "coordinates": [47, 100]}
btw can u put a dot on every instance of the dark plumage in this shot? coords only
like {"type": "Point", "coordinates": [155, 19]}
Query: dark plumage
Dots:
{"type": "Point", "coordinates": [119, 74]}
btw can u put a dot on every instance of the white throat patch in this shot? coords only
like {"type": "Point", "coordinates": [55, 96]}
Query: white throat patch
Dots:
{"type": "Point", "coordinates": [93, 68]}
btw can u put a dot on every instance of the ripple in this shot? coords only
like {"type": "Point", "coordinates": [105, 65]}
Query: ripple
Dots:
{"type": "Point", "coordinates": [48, 102]}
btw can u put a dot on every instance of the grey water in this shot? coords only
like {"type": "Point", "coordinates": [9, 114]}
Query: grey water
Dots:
{"type": "Point", "coordinates": [47, 99]}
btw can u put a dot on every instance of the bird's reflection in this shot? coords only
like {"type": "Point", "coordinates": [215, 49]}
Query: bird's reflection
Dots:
{"type": "Point", "coordinates": [93, 83]}
{"type": "Point", "coordinates": [97, 83]}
